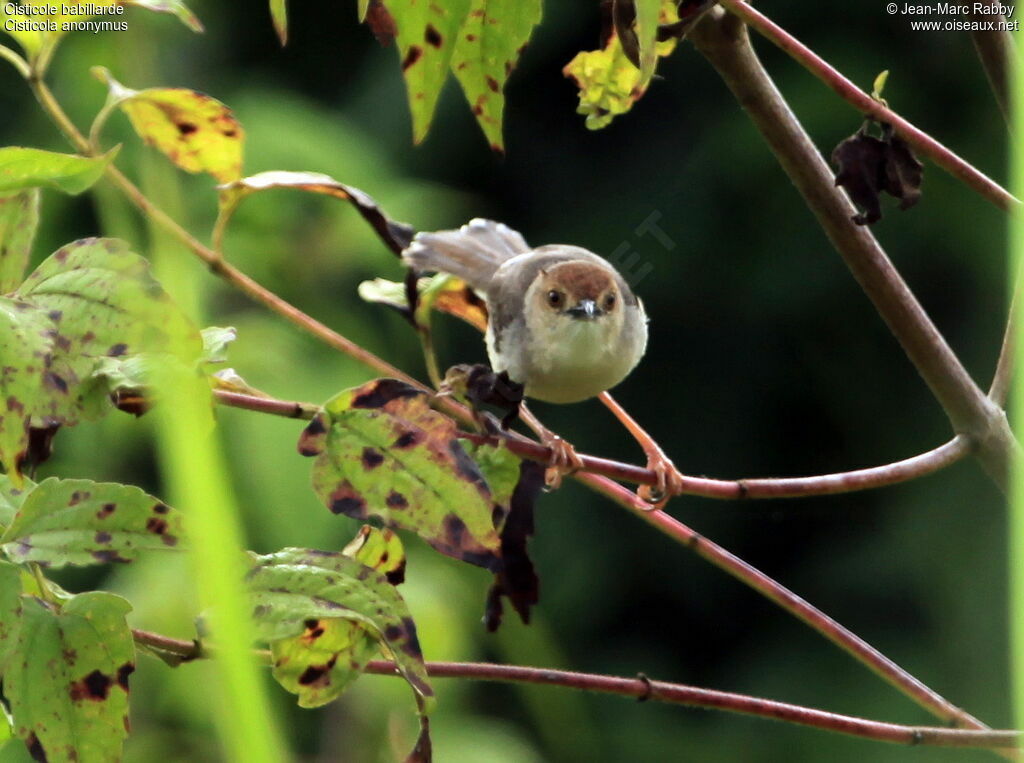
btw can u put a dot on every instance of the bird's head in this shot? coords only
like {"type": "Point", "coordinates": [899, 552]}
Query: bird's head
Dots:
{"type": "Point", "coordinates": [580, 291]}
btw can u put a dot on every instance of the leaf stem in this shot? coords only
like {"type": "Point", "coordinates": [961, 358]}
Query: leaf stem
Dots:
{"type": "Point", "coordinates": [923, 143]}
{"type": "Point", "coordinates": [16, 61]}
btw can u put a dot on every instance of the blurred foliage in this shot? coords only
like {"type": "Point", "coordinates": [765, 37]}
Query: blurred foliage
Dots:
{"type": "Point", "coordinates": [765, 359]}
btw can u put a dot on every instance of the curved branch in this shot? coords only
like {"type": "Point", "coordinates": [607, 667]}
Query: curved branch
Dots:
{"type": "Point", "coordinates": [644, 689]}
{"type": "Point", "coordinates": [768, 487]}
{"type": "Point", "coordinates": [922, 142]}
{"type": "Point", "coordinates": [723, 40]}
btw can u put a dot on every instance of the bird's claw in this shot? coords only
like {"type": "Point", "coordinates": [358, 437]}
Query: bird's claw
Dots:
{"type": "Point", "coordinates": [564, 461]}
{"type": "Point", "coordinates": [669, 483]}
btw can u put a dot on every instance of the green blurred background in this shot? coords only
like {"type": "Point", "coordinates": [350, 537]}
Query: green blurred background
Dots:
{"type": "Point", "coordinates": [765, 359]}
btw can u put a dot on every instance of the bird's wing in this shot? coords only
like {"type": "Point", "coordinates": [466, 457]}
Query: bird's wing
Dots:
{"type": "Point", "coordinates": [473, 252]}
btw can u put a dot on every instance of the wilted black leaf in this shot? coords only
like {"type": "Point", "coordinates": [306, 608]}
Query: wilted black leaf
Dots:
{"type": "Point", "coordinates": [517, 579]}
{"type": "Point", "coordinates": [867, 165]}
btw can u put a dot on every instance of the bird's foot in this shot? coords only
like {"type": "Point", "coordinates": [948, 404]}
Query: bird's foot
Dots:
{"type": "Point", "coordinates": [564, 460]}
{"type": "Point", "coordinates": [669, 482]}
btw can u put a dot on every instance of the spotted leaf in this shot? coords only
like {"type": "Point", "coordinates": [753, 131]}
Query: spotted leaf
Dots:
{"type": "Point", "coordinates": [609, 82]}
{"type": "Point", "coordinates": [486, 52]}
{"type": "Point", "coordinates": [67, 681]}
{"type": "Point", "coordinates": [23, 168]}
{"type": "Point", "coordinates": [196, 132]}
{"type": "Point", "coordinates": [10, 611]}
{"type": "Point", "coordinates": [103, 302]}
{"type": "Point", "coordinates": [383, 453]}
{"type": "Point", "coordinates": [31, 384]}
{"type": "Point", "coordinates": [319, 664]}
{"type": "Point", "coordinates": [426, 41]}
{"type": "Point", "coordinates": [80, 522]}
{"type": "Point", "coordinates": [294, 587]}
{"type": "Point", "coordinates": [11, 498]}
{"type": "Point", "coordinates": [19, 218]}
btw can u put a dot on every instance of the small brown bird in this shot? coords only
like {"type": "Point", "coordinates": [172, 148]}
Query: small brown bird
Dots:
{"type": "Point", "coordinates": [563, 322]}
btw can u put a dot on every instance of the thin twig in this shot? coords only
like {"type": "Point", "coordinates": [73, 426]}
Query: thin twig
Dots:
{"type": "Point", "coordinates": [644, 689]}
{"type": "Point", "coordinates": [922, 142]}
{"type": "Point", "coordinates": [1003, 376]}
{"type": "Point", "coordinates": [768, 487]}
{"type": "Point", "coordinates": [726, 45]}
{"type": "Point", "coordinates": [787, 600]}
{"type": "Point", "coordinates": [16, 61]}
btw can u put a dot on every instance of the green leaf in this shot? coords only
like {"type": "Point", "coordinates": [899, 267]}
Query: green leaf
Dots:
{"type": "Point", "coordinates": [363, 9]}
{"type": "Point", "coordinates": [67, 683]}
{"type": "Point", "coordinates": [609, 83]}
{"type": "Point", "coordinates": [331, 653]}
{"type": "Point", "coordinates": [22, 168]}
{"type": "Point", "coordinates": [174, 7]}
{"type": "Point", "coordinates": [279, 14]}
{"type": "Point", "coordinates": [426, 40]}
{"type": "Point", "coordinates": [500, 467]}
{"type": "Point", "coordinates": [647, 13]}
{"type": "Point", "coordinates": [16, 25]}
{"type": "Point", "coordinates": [19, 218]}
{"type": "Point", "coordinates": [486, 52]}
{"type": "Point", "coordinates": [81, 522]}
{"type": "Point", "coordinates": [11, 498]}
{"type": "Point", "coordinates": [28, 387]}
{"type": "Point", "coordinates": [10, 611]}
{"type": "Point", "coordinates": [383, 453]}
{"type": "Point", "coordinates": [294, 587]}
{"type": "Point", "coordinates": [196, 132]}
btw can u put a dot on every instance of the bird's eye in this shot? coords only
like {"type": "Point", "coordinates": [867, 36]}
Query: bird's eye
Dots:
{"type": "Point", "coordinates": [555, 298]}
{"type": "Point", "coordinates": [609, 302]}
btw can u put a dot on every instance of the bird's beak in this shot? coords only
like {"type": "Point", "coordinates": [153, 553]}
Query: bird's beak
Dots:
{"type": "Point", "coordinates": [586, 310]}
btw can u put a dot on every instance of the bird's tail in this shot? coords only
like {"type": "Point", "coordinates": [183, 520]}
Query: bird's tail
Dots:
{"type": "Point", "coordinates": [473, 252]}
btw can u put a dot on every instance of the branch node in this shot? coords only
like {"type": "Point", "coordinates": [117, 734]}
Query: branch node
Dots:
{"type": "Point", "coordinates": [648, 687]}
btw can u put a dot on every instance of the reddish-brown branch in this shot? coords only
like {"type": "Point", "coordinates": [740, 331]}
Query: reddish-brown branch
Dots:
{"type": "Point", "coordinates": [774, 487]}
{"type": "Point", "coordinates": [663, 691]}
{"type": "Point", "coordinates": [996, 50]}
{"type": "Point", "coordinates": [787, 600]}
{"type": "Point", "coordinates": [680, 694]}
{"type": "Point", "coordinates": [922, 142]}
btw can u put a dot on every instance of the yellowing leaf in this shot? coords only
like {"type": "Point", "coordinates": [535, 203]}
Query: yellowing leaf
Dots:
{"type": "Point", "coordinates": [383, 453]}
{"type": "Point", "coordinates": [196, 132]}
{"type": "Point", "coordinates": [426, 41]}
{"type": "Point", "coordinates": [486, 51]}
{"type": "Point", "coordinates": [321, 662]}
{"type": "Point", "coordinates": [609, 83]}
